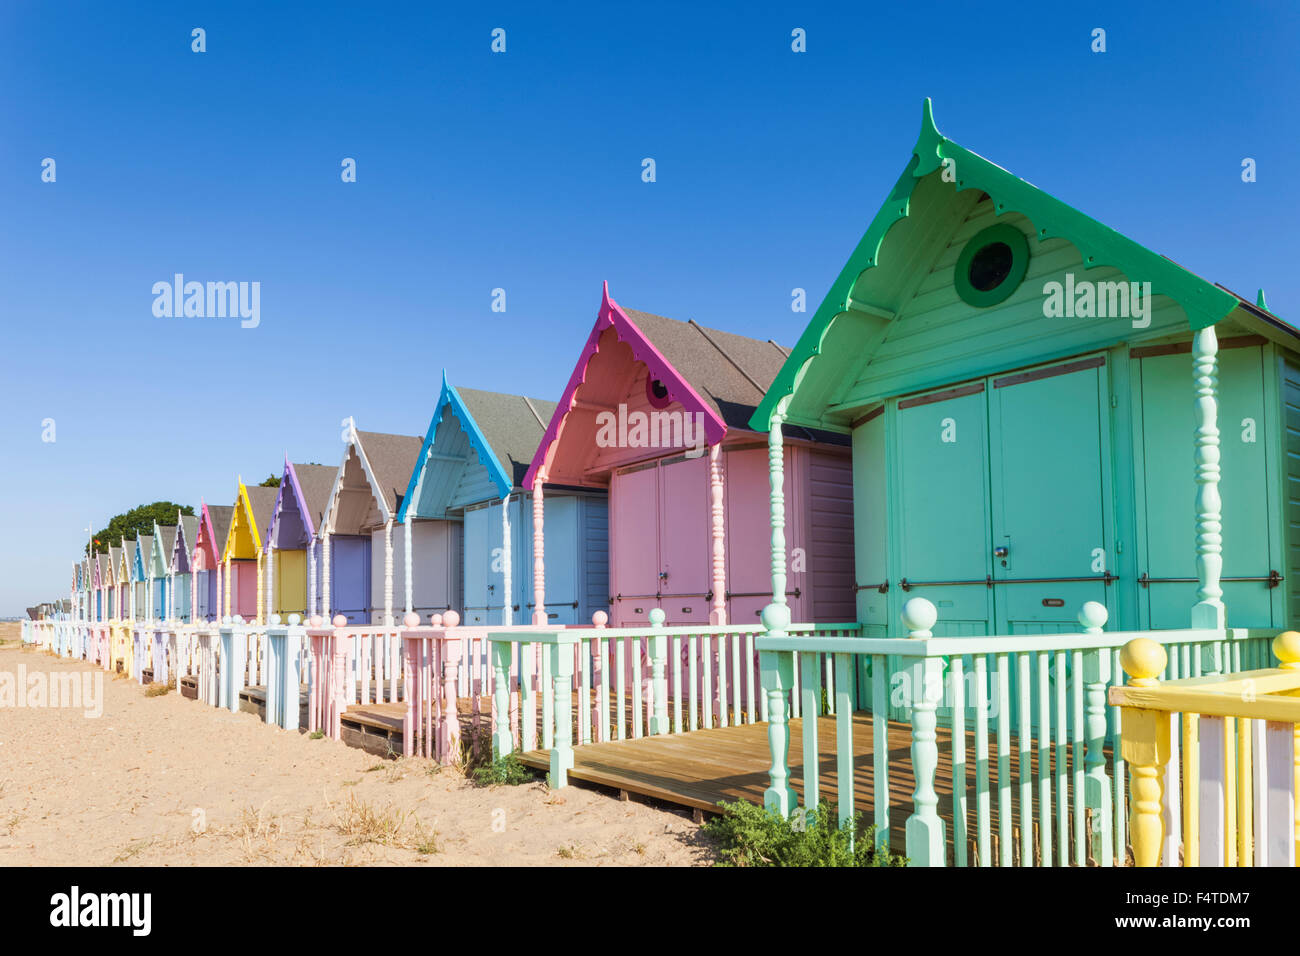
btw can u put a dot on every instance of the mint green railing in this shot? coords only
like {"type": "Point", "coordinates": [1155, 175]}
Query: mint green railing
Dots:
{"type": "Point", "coordinates": [1039, 699]}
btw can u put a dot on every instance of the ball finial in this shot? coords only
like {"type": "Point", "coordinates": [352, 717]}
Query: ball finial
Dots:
{"type": "Point", "coordinates": [1286, 647]}
{"type": "Point", "coordinates": [275, 620]}
{"type": "Point", "coordinates": [340, 620]}
{"type": "Point", "coordinates": [600, 619]}
{"type": "Point", "coordinates": [295, 620]}
{"type": "Point", "coordinates": [1143, 659]}
{"type": "Point", "coordinates": [317, 620]}
{"type": "Point", "coordinates": [775, 617]}
{"type": "Point", "coordinates": [411, 619]}
{"type": "Point", "coordinates": [657, 617]}
{"type": "Point", "coordinates": [1093, 616]}
{"type": "Point", "coordinates": [919, 616]}
{"type": "Point", "coordinates": [435, 620]}
{"type": "Point", "coordinates": [450, 619]}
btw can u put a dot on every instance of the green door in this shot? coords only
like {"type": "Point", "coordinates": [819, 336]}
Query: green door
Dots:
{"type": "Point", "coordinates": [1049, 462]}
{"type": "Point", "coordinates": [1168, 555]}
{"type": "Point", "coordinates": [943, 513]}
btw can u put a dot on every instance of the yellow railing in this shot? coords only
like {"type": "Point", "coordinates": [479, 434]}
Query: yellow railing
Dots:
{"type": "Point", "coordinates": [1239, 772]}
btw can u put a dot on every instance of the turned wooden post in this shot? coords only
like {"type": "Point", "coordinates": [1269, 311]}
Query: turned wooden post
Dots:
{"type": "Point", "coordinates": [1096, 675]}
{"type": "Point", "coordinates": [924, 828]}
{"type": "Point", "coordinates": [718, 616]}
{"type": "Point", "coordinates": [778, 677]}
{"type": "Point", "coordinates": [539, 551]}
{"type": "Point", "coordinates": [1145, 747]}
{"type": "Point", "coordinates": [1208, 612]}
{"type": "Point", "coordinates": [562, 681]}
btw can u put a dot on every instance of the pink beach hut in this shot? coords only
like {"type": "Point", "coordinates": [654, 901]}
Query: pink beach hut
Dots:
{"type": "Point", "coordinates": [657, 412]}
{"type": "Point", "coordinates": [209, 544]}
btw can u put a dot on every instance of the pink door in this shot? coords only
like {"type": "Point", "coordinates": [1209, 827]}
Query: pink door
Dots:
{"type": "Point", "coordinates": [243, 597]}
{"type": "Point", "coordinates": [685, 577]}
{"type": "Point", "coordinates": [634, 545]}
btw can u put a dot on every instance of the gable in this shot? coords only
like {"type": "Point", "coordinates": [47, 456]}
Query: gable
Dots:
{"type": "Point", "coordinates": [617, 355]}
{"type": "Point", "coordinates": [893, 320]}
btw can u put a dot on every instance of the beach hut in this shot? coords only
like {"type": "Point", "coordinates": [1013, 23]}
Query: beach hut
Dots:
{"type": "Point", "coordinates": [357, 564]}
{"type": "Point", "coordinates": [467, 487]}
{"type": "Point", "coordinates": [97, 587]}
{"type": "Point", "coordinates": [243, 555]}
{"type": "Point", "coordinates": [292, 540]}
{"type": "Point", "coordinates": [180, 566]}
{"type": "Point", "coordinates": [1043, 413]}
{"type": "Point", "coordinates": [112, 597]}
{"type": "Point", "coordinates": [205, 561]}
{"type": "Point", "coordinates": [657, 412]}
{"type": "Point", "coordinates": [142, 577]}
{"type": "Point", "coordinates": [159, 568]}
{"type": "Point", "coordinates": [125, 579]}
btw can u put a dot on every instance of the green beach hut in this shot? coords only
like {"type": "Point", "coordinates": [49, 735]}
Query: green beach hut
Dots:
{"type": "Point", "coordinates": [1043, 413]}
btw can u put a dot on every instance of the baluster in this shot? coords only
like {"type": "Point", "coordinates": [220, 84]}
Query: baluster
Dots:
{"type": "Point", "coordinates": [777, 681]}
{"type": "Point", "coordinates": [983, 816]}
{"type": "Point", "coordinates": [1146, 749]}
{"type": "Point", "coordinates": [811, 751]}
{"type": "Point", "coordinates": [1076, 754]}
{"type": "Point", "coordinates": [1024, 757]}
{"type": "Point", "coordinates": [957, 695]}
{"type": "Point", "coordinates": [880, 747]}
{"type": "Point", "coordinates": [1044, 759]}
{"type": "Point", "coordinates": [562, 672]}
{"type": "Point", "coordinates": [659, 683]}
{"type": "Point", "coordinates": [1096, 675]}
{"type": "Point", "coordinates": [1006, 847]}
{"type": "Point", "coordinates": [1062, 762]}
{"type": "Point", "coordinates": [925, 828]}
{"type": "Point", "coordinates": [502, 741]}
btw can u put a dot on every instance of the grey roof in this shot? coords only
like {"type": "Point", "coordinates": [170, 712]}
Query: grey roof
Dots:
{"type": "Point", "coordinates": [262, 501]}
{"type": "Point", "coordinates": [731, 372]}
{"type": "Point", "coordinates": [220, 516]}
{"type": "Point", "coordinates": [513, 426]}
{"type": "Point", "coordinates": [316, 482]}
{"type": "Point", "coordinates": [168, 540]}
{"type": "Point", "coordinates": [190, 524]}
{"type": "Point", "coordinates": [144, 544]}
{"type": "Point", "coordinates": [392, 459]}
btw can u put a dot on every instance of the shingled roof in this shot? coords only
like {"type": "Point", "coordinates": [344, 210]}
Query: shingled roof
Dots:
{"type": "Point", "coordinates": [731, 372]}
{"type": "Point", "coordinates": [392, 458]}
{"type": "Point", "coordinates": [512, 424]}
{"type": "Point", "coordinates": [220, 516]}
{"type": "Point", "coordinates": [262, 500]}
{"type": "Point", "coordinates": [315, 482]}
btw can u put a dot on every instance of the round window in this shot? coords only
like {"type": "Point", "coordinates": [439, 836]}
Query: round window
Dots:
{"type": "Point", "coordinates": [656, 392]}
{"type": "Point", "coordinates": [992, 265]}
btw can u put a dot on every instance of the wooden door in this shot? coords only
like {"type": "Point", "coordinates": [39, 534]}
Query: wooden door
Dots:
{"type": "Point", "coordinates": [685, 576]}
{"type": "Point", "coordinates": [350, 577]}
{"type": "Point", "coordinates": [634, 545]}
{"type": "Point", "coordinates": [943, 536]}
{"type": "Point", "coordinates": [290, 581]}
{"type": "Point", "coordinates": [478, 563]}
{"type": "Point", "coordinates": [1049, 466]}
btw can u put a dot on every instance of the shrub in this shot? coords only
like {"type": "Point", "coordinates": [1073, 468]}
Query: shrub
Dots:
{"type": "Point", "coordinates": [748, 835]}
{"type": "Point", "coordinates": [508, 770]}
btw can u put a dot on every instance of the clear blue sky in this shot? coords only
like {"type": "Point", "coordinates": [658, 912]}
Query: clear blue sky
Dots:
{"type": "Point", "coordinates": [522, 171]}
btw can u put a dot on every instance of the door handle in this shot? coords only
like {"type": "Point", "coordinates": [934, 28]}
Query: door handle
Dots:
{"type": "Point", "coordinates": [1000, 551]}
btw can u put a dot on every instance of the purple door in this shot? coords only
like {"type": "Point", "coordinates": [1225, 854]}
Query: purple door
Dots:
{"type": "Point", "coordinates": [350, 577]}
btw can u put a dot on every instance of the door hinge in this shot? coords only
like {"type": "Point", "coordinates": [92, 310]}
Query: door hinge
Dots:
{"type": "Point", "coordinates": [1114, 401]}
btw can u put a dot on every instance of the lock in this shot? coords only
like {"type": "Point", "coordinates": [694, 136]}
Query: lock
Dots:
{"type": "Point", "coordinates": [1000, 551]}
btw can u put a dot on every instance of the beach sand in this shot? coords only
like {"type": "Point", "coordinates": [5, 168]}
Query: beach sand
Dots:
{"type": "Point", "coordinates": [168, 781]}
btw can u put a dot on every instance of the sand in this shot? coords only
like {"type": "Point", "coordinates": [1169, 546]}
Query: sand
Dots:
{"type": "Point", "coordinates": [166, 781]}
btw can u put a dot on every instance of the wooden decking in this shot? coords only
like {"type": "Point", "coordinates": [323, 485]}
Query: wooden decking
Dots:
{"type": "Point", "coordinates": [702, 768]}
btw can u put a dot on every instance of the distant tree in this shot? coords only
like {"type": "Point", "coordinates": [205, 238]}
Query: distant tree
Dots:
{"type": "Point", "coordinates": [139, 520]}
{"type": "Point", "coordinates": [272, 481]}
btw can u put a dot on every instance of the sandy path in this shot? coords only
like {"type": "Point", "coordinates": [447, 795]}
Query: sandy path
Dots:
{"type": "Point", "coordinates": [125, 788]}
